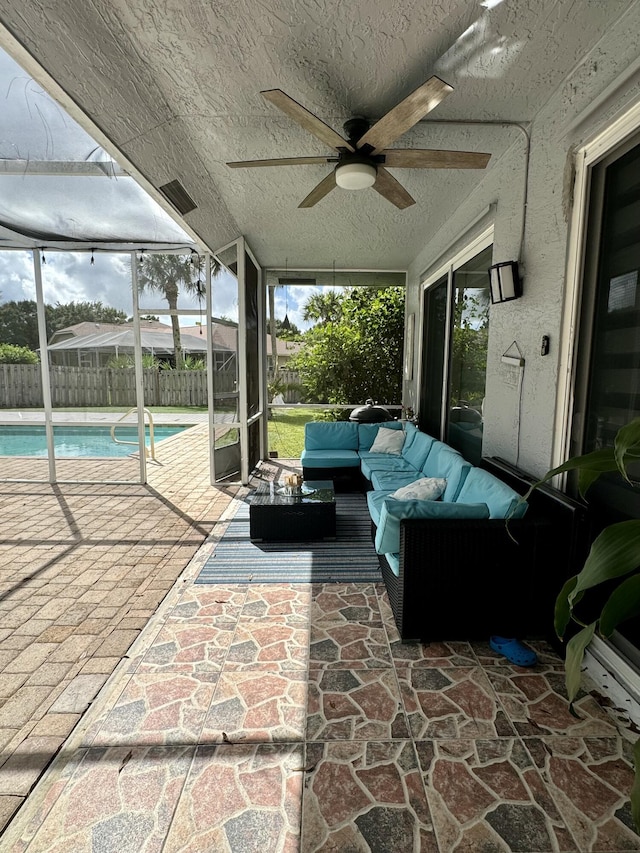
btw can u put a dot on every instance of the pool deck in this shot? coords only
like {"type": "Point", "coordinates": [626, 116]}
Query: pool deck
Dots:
{"type": "Point", "coordinates": [84, 569]}
{"type": "Point", "coordinates": [13, 417]}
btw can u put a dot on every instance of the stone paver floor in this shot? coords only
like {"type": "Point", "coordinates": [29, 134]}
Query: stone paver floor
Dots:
{"type": "Point", "coordinates": [452, 751]}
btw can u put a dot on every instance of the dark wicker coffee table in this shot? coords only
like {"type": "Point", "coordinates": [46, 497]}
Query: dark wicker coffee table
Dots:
{"type": "Point", "coordinates": [276, 516]}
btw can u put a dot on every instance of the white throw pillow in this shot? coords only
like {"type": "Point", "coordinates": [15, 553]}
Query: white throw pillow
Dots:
{"type": "Point", "coordinates": [388, 441]}
{"type": "Point", "coordinates": [424, 489]}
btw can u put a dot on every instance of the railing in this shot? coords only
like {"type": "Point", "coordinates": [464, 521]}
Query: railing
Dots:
{"type": "Point", "coordinates": [148, 451]}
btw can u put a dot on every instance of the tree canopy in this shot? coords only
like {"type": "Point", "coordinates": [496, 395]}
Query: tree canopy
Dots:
{"type": "Point", "coordinates": [323, 307]}
{"type": "Point", "coordinates": [358, 354]}
{"type": "Point", "coordinates": [19, 320]}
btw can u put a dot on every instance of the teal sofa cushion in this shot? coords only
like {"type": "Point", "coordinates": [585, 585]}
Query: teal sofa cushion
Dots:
{"type": "Point", "coordinates": [329, 459]}
{"type": "Point", "coordinates": [391, 480]}
{"type": "Point", "coordinates": [393, 511]}
{"type": "Point", "coordinates": [410, 430]}
{"type": "Point", "coordinates": [331, 435]}
{"type": "Point", "coordinates": [367, 432]}
{"type": "Point", "coordinates": [417, 451]}
{"type": "Point", "coordinates": [375, 499]}
{"type": "Point", "coordinates": [443, 461]}
{"type": "Point", "coordinates": [501, 499]}
{"type": "Point", "coordinates": [384, 462]}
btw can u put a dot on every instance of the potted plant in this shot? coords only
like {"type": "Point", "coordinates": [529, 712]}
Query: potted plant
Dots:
{"type": "Point", "coordinates": [613, 561]}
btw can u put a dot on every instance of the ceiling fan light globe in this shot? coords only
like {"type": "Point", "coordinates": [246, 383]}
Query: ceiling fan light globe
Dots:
{"type": "Point", "coordinates": [356, 176]}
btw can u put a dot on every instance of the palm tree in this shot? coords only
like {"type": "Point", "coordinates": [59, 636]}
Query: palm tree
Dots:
{"type": "Point", "coordinates": [167, 274]}
{"type": "Point", "coordinates": [323, 307]}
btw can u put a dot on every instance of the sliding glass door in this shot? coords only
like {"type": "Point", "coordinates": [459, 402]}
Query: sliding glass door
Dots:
{"type": "Point", "coordinates": [455, 332]}
{"type": "Point", "coordinates": [608, 359]}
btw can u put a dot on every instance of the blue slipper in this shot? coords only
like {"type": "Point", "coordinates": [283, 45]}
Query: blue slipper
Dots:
{"type": "Point", "coordinates": [514, 651]}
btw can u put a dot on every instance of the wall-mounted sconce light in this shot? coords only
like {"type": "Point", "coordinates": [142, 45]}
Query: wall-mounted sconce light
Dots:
{"type": "Point", "coordinates": [505, 282]}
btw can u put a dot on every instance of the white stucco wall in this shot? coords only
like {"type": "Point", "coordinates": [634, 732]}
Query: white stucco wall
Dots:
{"type": "Point", "coordinates": [597, 90]}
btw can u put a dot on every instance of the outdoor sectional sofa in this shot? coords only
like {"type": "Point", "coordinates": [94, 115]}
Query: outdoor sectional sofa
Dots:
{"type": "Point", "coordinates": [455, 568]}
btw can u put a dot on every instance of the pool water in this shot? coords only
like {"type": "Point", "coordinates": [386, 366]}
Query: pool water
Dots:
{"type": "Point", "coordinates": [74, 441]}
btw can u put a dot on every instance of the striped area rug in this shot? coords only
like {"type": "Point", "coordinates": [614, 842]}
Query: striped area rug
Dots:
{"type": "Point", "coordinates": [349, 558]}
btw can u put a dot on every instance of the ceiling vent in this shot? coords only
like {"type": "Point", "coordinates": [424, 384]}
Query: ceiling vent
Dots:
{"type": "Point", "coordinates": [176, 194]}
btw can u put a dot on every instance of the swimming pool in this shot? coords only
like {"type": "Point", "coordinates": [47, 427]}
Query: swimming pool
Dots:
{"type": "Point", "coordinates": [75, 441]}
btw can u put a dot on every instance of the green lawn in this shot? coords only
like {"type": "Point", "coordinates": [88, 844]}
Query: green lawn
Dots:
{"type": "Point", "coordinates": [286, 431]}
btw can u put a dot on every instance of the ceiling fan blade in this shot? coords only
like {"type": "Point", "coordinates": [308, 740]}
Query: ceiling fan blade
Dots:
{"type": "Point", "coordinates": [284, 161]}
{"type": "Point", "coordinates": [405, 114]}
{"type": "Point", "coordinates": [392, 190]}
{"type": "Point", "coordinates": [320, 190]}
{"type": "Point", "coordinates": [306, 119]}
{"type": "Point", "coordinates": [425, 158]}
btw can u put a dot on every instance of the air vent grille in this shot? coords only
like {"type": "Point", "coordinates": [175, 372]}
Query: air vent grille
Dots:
{"type": "Point", "coordinates": [176, 194]}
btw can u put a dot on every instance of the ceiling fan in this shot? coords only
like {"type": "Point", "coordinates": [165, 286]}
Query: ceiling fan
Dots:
{"type": "Point", "coordinates": [363, 157]}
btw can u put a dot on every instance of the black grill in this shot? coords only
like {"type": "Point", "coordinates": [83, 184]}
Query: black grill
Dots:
{"type": "Point", "coordinates": [370, 414]}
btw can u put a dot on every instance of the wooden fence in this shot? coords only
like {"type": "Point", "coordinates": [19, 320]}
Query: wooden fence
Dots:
{"type": "Point", "coordinates": [21, 386]}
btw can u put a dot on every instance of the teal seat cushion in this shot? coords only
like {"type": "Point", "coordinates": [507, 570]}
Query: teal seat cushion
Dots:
{"type": "Point", "coordinates": [501, 499]}
{"type": "Point", "coordinates": [367, 432]}
{"type": "Point", "coordinates": [375, 500]}
{"type": "Point", "coordinates": [391, 480]}
{"type": "Point", "coordinates": [331, 435]}
{"type": "Point", "coordinates": [330, 459]}
{"type": "Point", "coordinates": [371, 462]}
{"type": "Point", "coordinates": [393, 511]}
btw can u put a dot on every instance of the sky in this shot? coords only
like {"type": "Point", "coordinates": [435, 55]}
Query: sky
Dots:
{"type": "Point", "coordinates": [71, 277]}
{"type": "Point", "coordinates": [33, 126]}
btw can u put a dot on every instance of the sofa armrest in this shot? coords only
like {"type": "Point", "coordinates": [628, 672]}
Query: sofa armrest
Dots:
{"type": "Point", "coordinates": [466, 579]}
{"type": "Point", "coordinates": [393, 512]}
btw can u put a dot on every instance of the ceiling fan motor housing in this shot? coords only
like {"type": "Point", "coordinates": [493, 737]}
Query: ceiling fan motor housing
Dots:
{"type": "Point", "coordinates": [355, 128]}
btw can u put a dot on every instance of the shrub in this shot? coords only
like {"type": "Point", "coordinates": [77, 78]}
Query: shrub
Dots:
{"type": "Point", "coordinates": [12, 354]}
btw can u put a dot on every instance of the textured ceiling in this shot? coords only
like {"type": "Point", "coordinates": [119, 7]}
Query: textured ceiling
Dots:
{"type": "Point", "coordinates": [175, 86]}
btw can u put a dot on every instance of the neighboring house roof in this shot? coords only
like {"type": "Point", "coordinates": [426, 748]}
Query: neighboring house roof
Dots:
{"type": "Point", "coordinates": [152, 341]}
{"type": "Point", "coordinates": [90, 335]}
{"type": "Point", "coordinates": [285, 348]}
{"type": "Point", "coordinates": [226, 335]}
{"type": "Point", "coordinates": [89, 328]}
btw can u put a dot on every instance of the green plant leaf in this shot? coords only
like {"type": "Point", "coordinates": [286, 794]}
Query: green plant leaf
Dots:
{"type": "Point", "coordinates": [623, 603]}
{"type": "Point", "coordinates": [627, 443]}
{"type": "Point", "coordinates": [588, 476]}
{"type": "Point", "coordinates": [573, 660]}
{"type": "Point", "coordinates": [614, 553]}
{"type": "Point", "coordinates": [635, 789]}
{"type": "Point", "coordinates": [562, 613]}
{"type": "Point", "coordinates": [589, 466]}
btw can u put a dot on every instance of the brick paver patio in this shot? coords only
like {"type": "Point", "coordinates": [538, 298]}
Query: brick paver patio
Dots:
{"type": "Point", "coordinates": [84, 568]}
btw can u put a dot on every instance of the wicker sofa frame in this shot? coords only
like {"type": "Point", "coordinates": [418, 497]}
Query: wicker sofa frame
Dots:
{"type": "Point", "coordinates": [466, 579]}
